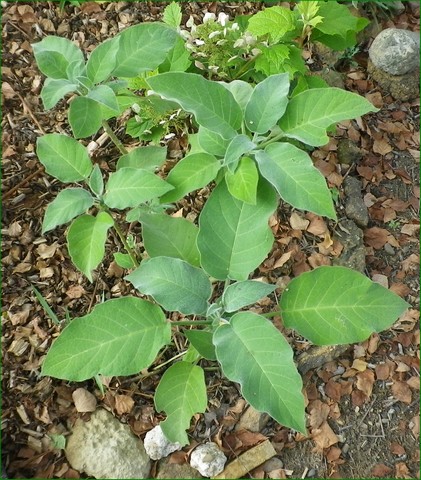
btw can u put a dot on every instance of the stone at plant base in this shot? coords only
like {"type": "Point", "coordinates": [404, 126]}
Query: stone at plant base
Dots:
{"type": "Point", "coordinates": [401, 87]}
{"type": "Point", "coordinates": [353, 253]}
{"type": "Point", "coordinates": [348, 152]}
{"type": "Point", "coordinates": [103, 447]}
{"type": "Point", "coordinates": [157, 445]}
{"type": "Point", "coordinates": [326, 55]}
{"type": "Point", "coordinates": [252, 420]}
{"type": "Point", "coordinates": [173, 470]}
{"type": "Point", "coordinates": [395, 51]}
{"type": "Point", "coordinates": [355, 207]}
{"type": "Point", "coordinates": [208, 459]}
{"type": "Point", "coordinates": [331, 77]}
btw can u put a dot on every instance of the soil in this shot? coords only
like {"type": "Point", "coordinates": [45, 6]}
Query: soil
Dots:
{"type": "Point", "coordinates": [363, 407]}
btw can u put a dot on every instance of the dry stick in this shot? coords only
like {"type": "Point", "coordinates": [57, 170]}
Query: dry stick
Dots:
{"type": "Point", "coordinates": [10, 192]}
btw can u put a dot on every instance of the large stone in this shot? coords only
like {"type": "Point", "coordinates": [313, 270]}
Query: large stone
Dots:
{"type": "Point", "coordinates": [353, 253]}
{"type": "Point", "coordinates": [401, 87]}
{"type": "Point", "coordinates": [208, 459]}
{"type": "Point", "coordinates": [173, 470]}
{"type": "Point", "coordinates": [395, 51]}
{"type": "Point", "coordinates": [355, 207]}
{"type": "Point", "coordinates": [157, 445]}
{"type": "Point", "coordinates": [103, 447]}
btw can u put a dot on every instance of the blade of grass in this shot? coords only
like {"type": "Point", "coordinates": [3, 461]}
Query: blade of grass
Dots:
{"type": "Point", "coordinates": [45, 306]}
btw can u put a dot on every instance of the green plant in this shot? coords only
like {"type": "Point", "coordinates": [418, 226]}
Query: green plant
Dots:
{"type": "Point", "coordinates": [243, 144]}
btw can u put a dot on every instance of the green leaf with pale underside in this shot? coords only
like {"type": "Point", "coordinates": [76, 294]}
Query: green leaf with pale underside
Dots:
{"type": "Point", "coordinates": [181, 393]}
{"type": "Point", "coordinates": [311, 112]}
{"type": "Point", "coordinates": [85, 117]}
{"type": "Point", "coordinates": [119, 337]}
{"type": "Point", "coordinates": [255, 354]}
{"type": "Point", "coordinates": [337, 305]}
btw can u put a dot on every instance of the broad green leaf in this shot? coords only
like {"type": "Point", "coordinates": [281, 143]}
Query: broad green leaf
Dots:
{"type": "Point", "coordinates": [202, 342]}
{"type": "Point", "coordinates": [54, 54]}
{"type": "Point", "coordinates": [240, 90]}
{"type": "Point", "coordinates": [66, 206]}
{"type": "Point", "coordinates": [267, 103]}
{"type": "Point", "coordinates": [255, 354]}
{"type": "Point", "coordinates": [174, 284]}
{"type": "Point", "coordinates": [96, 182]}
{"type": "Point", "coordinates": [63, 157]}
{"type": "Point", "coordinates": [105, 97]}
{"type": "Point", "coordinates": [172, 15]}
{"type": "Point", "coordinates": [54, 90]}
{"type": "Point", "coordinates": [178, 58]}
{"type": "Point", "coordinates": [238, 146]}
{"type": "Point", "coordinates": [102, 60]}
{"type": "Point", "coordinates": [129, 187]}
{"type": "Point", "coordinates": [212, 142]}
{"type": "Point", "coordinates": [275, 21]}
{"type": "Point", "coordinates": [213, 105]}
{"type": "Point", "coordinates": [191, 173]}
{"type": "Point", "coordinates": [339, 24]}
{"type": "Point", "coordinates": [142, 48]}
{"type": "Point", "coordinates": [85, 117]}
{"type": "Point", "coordinates": [195, 147]}
{"type": "Point", "coordinates": [123, 260]}
{"type": "Point", "coordinates": [234, 237]}
{"type": "Point", "coordinates": [148, 158]}
{"type": "Point", "coordinates": [306, 82]}
{"type": "Point", "coordinates": [86, 240]}
{"type": "Point", "coordinates": [119, 337]}
{"type": "Point", "coordinates": [191, 356]}
{"type": "Point", "coordinates": [77, 70]}
{"type": "Point", "coordinates": [242, 184]}
{"type": "Point", "coordinates": [241, 294]}
{"type": "Point", "coordinates": [271, 59]}
{"type": "Point", "coordinates": [336, 305]}
{"type": "Point", "coordinates": [180, 394]}
{"type": "Point", "coordinates": [170, 237]}
{"type": "Point", "coordinates": [309, 113]}
{"type": "Point", "coordinates": [291, 171]}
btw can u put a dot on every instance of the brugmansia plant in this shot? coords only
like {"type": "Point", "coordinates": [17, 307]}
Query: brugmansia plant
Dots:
{"type": "Point", "coordinates": [250, 142]}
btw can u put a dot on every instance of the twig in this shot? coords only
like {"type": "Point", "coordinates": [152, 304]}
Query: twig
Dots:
{"type": "Point", "coordinates": [22, 183]}
{"type": "Point", "coordinates": [30, 113]}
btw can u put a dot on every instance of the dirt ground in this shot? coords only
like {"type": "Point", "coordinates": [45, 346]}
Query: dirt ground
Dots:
{"type": "Point", "coordinates": [363, 401]}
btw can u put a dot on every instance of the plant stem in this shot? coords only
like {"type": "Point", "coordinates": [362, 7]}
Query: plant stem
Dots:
{"type": "Point", "coordinates": [122, 237]}
{"type": "Point", "coordinates": [114, 138]}
{"type": "Point", "coordinates": [190, 323]}
{"type": "Point", "coordinates": [271, 140]}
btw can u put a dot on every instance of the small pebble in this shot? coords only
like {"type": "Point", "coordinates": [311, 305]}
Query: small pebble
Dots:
{"type": "Point", "coordinates": [311, 473]}
{"type": "Point", "coordinates": [389, 249]}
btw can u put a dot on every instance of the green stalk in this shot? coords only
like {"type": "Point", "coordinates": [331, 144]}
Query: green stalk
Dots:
{"type": "Point", "coordinates": [271, 140]}
{"type": "Point", "coordinates": [114, 138]}
{"type": "Point", "coordinates": [191, 323]}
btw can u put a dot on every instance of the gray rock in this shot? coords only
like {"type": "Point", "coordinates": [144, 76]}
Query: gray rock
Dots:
{"type": "Point", "coordinates": [331, 77]}
{"type": "Point", "coordinates": [353, 253]}
{"type": "Point", "coordinates": [395, 51]}
{"type": "Point", "coordinates": [401, 87]}
{"type": "Point", "coordinates": [355, 208]}
{"type": "Point", "coordinates": [173, 470]}
{"type": "Point", "coordinates": [327, 56]}
{"type": "Point", "coordinates": [208, 459]}
{"type": "Point", "coordinates": [348, 152]}
{"type": "Point", "coordinates": [157, 445]}
{"type": "Point", "coordinates": [105, 448]}
{"type": "Point", "coordinates": [272, 464]}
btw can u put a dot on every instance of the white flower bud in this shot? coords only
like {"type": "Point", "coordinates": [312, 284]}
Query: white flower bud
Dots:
{"type": "Point", "coordinates": [223, 18]}
{"type": "Point", "coordinates": [209, 16]}
{"type": "Point", "coordinates": [214, 34]}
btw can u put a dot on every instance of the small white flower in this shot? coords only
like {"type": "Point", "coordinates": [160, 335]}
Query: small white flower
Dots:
{"type": "Point", "coordinates": [149, 93]}
{"type": "Point", "coordinates": [221, 42]}
{"type": "Point", "coordinates": [223, 18]}
{"type": "Point", "coordinates": [199, 65]}
{"type": "Point", "coordinates": [209, 16]}
{"type": "Point", "coordinates": [235, 27]}
{"type": "Point", "coordinates": [240, 43]}
{"type": "Point", "coordinates": [256, 52]}
{"type": "Point", "coordinates": [214, 34]}
{"type": "Point", "coordinates": [199, 42]}
{"type": "Point", "coordinates": [213, 68]}
{"type": "Point", "coordinates": [170, 135]}
{"type": "Point", "coordinates": [190, 22]}
{"type": "Point", "coordinates": [190, 46]}
{"type": "Point", "coordinates": [137, 118]}
{"type": "Point", "coordinates": [136, 108]}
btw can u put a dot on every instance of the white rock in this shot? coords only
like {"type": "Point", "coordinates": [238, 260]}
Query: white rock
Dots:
{"type": "Point", "coordinates": [157, 445]}
{"type": "Point", "coordinates": [395, 51]}
{"type": "Point", "coordinates": [208, 459]}
{"type": "Point", "coordinates": [103, 447]}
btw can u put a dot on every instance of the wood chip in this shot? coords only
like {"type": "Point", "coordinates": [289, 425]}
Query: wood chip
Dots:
{"type": "Point", "coordinates": [248, 461]}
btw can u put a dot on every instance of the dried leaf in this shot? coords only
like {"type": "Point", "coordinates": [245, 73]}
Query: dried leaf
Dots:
{"type": "Point", "coordinates": [365, 382]}
{"type": "Point", "coordinates": [324, 437]}
{"type": "Point", "coordinates": [123, 404]}
{"type": "Point", "coordinates": [297, 222]}
{"type": "Point", "coordinates": [402, 392]}
{"type": "Point", "coordinates": [319, 412]}
{"type": "Point", "coordinates": [84, 401]}
{"type": "Point", "coordinates": [381, 470]}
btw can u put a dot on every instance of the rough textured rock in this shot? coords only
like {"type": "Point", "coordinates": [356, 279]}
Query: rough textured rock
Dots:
{"type": "Point", "coordinates": [157, 445]}
{"type": "Point", "coordinates": [401, 87]}
{"type": "Point", "coordinates": [355, 207]}
{"type": "Point", "coordinates": [105, 448]}
{"type": "Point", "coordinates": [353, 254]}
{"type": "Point", "coordinates": [331, 77]}
{"type": "Point", "coordinates": [348, 152]}
{"type": "Point", "coordinates": [173, 470]}
{"type": "Point", "coordinates": [326, 55]}
{"type": "Point", "coordinates": [395, 51]}
{"type": "Point", "coordinates": [252, 420]}
{"type": "Point", "coordinates": [208, 459]}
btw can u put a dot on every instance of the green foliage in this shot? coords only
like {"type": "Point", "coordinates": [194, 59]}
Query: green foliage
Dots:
{"type": "Point", "coordinates": [245, 153]}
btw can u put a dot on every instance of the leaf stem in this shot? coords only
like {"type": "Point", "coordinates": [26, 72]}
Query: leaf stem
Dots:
{"type": "Point", "coordinates": [190, 323]}
{"type": "Point", "coordinates": [114, 138]}
{"type": "Point", "coordinates": [271, 140]}
{"type": "Point", "coordinates": [122, 237]}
